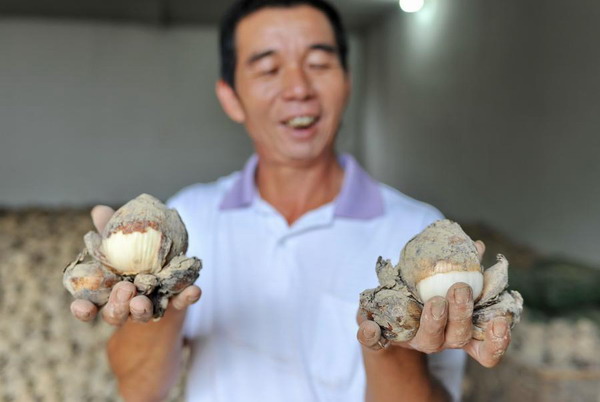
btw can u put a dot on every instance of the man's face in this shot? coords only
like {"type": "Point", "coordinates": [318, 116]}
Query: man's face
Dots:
{"type": "Point", "coordinates": [290, 84]}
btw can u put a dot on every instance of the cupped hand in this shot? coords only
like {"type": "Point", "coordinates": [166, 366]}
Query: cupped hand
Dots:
{"type": "Point", "coordinates": [446, 323]}
{"type": "Point", "coordinates": [124, 302]}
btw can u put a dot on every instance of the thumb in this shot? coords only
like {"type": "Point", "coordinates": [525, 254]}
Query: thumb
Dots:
{"type": "Point", "coordinates": [100, 216]}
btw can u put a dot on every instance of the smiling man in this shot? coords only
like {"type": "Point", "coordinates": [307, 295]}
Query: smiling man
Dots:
{"type": "Point", "coordinates": [289, 90]}
{"type": "Point", "coordinates": [288, 243]}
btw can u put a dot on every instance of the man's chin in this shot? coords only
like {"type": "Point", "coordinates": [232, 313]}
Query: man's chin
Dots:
{"type": "Point", "coordinates": [301, 155]}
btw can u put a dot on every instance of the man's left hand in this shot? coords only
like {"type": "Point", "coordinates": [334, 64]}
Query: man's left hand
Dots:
{"type": "Point", "coordinates": [446, 323]}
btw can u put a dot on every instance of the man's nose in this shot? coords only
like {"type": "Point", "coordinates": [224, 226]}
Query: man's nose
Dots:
{"type": "Point", "coordinates": [297, 84]}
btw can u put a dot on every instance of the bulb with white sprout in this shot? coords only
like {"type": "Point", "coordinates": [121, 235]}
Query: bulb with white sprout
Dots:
{"type": "Point", "coordinates": [430, 263]}
{"type": "Point", "coordinates": [143, 242]}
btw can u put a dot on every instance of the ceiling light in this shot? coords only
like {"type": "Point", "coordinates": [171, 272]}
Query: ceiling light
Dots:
{"type": "Point", "coordinates": [411, 6]}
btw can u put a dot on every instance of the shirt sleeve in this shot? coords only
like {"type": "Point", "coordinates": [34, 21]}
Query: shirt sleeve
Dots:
{"type": "Point", "coordinates": [193, 325]}
{"type": "Point", "coordinates": [431, 216]}
{"type": "Point", "coordinates": [448, 367]}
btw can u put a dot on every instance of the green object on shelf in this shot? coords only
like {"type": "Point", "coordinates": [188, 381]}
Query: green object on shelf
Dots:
{"type": "Point", "coordinates": [557, 286]}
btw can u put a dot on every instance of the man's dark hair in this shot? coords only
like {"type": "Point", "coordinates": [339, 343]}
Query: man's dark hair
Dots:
{"type": "Point", "coordinates": [242, 8]}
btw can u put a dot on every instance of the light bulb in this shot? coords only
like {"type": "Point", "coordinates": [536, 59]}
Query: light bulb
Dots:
{"type": "Point", "coordinates": [411, 6]}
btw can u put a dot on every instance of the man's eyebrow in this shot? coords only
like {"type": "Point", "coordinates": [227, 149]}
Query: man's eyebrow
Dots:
{"type": "Point", "coordinates": [324, 47]}
{"type": "Point", "coordinates": [260, 55]}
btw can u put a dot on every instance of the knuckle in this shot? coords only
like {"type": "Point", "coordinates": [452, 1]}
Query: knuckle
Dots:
{"type": "Point", "coordinates": [112, 315]}
{"type": "Point", "coordinates": [457, 343]}
{"type": "Point", "coordinates": [492, 358]}
{"type": "Point", "coordinates": [461, 332]}
{"type": "Point", "coordinates": [109, 319]}
{"type": "Point", "coordinates": [459, 336]}
{"type": "Point", "coordinates": [497, 355]}
{"type": "Point", "coordinates": [460, 312]}
{"type": "Point", "coordinates": [435, 330]}
{"type": "Point", "coordinates": [427, 348]}
{"type": "Point", "coordinates": [431, 349]}
{"type": "Point", "coordinates": [432, 337]}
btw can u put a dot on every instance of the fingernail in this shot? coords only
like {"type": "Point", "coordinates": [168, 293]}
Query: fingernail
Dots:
{"type": "Point", "coordinates": [499, 327]}
{"type": "Point", "coordinates": [82, 314]}
{"type": "Point", "coordinates": [124, 295]}
{"type": "Point", "coordinates": [438, 308]}
{"type": "Point", "coordinates": [463, 295]}
{"type": "Point", "coordinates": [192, 299]}
{"type": "Point", "coordinates": [369, 333]}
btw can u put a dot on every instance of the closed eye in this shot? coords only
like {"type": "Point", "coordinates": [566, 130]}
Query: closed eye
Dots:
{"type": "Point", "coordinates": [271, 71]}
{"type": "Point", "coordinates": [319, 66]}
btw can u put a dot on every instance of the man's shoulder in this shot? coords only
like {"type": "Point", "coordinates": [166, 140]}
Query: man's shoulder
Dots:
{"type": "Point", "coordinates": [400, 207]}
{"type": "Point", "coordinates": [203, 194]}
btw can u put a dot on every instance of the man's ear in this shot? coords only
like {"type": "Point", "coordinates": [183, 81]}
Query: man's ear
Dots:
{"type": "Point", "coordinates": [230, 102]}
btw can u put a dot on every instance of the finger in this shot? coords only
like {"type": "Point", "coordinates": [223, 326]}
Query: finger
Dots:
{"type": "Point", "coordinates": [100, 216]}
{"type": "Point", "coordinates": [430, 336]}
{"type": "Point", "coordinates": [117, 310]}
{"type": "Point", "coordinates": [460, 315]}
{"type": "Point", "coordinates": [140, 308]}
{"type": "Point", "coordinates": [489, 352]}
{"type": "Point", "coordinates": [84, 310]}
{"type": "Point", "coordinates": [369, 335]}
{"type": "Point", "coordinates": [361, 315]}
{"type": "Point", "coordinates": [188, 296]}
{"type": "Point", "coordinates": [480, 246]}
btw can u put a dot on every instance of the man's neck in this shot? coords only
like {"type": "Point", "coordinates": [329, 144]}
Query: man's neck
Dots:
{"type": "Point", "coordinates": [294, 190]}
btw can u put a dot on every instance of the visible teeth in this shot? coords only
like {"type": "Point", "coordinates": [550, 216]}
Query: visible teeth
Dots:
{"type": "Point", "coordinates": [301, 121]}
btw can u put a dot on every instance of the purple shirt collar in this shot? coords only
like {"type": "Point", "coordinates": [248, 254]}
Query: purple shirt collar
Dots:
{"type": "Point", "coordinates": [360, 197]}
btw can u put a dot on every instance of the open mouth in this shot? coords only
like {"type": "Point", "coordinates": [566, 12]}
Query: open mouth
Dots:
{"type": "Point", "coordinates": [300, 122]}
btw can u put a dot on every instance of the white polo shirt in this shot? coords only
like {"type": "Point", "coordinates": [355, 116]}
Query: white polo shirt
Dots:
{"type": "Point", "coordinates": [277, 317]}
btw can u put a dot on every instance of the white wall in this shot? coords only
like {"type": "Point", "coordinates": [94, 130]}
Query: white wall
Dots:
{"type": "Point", "coordinates": [484, 109]}
{"type": "Point", "coordinates": [489, 110]}
{"type": "Point", "coordinates": [95, 112]}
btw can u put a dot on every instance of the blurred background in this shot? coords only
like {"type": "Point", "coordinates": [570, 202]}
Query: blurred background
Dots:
{"type": "Point", "coordinates": [487, 110]}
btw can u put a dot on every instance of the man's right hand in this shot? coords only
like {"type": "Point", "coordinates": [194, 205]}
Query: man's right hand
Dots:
{"type": "Point", "coordinates": [124, 303]}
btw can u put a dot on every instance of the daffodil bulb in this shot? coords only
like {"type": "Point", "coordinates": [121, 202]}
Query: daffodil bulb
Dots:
{"type": "Point", "coordinates": [430, 263]}
{"type": "Point", "coordinates": [144, 242]}
{"type": "Point", "coordinates": [141, 237]}
{"type": "Point", "coordinates": [439, 257]}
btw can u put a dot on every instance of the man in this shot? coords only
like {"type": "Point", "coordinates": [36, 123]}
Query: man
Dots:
{"type": "Point", "coordinates": [287, 245]}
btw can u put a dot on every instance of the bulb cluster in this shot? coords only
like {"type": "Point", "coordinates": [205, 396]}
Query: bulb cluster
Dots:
{"type": "Point", "coordinates": [143, 242]}
{"type": "Point", "coordinates": [430, 263]}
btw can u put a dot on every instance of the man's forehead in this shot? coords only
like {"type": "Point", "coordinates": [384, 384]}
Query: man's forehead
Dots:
{"type": "Point", "coordinates": [272, 28]}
